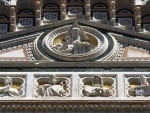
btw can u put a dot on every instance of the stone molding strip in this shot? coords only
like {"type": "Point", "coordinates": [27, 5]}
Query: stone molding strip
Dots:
{"type": "Point", "coordinates": [58, 106]}
{"type": "Point", "coordinates": [103, 64]}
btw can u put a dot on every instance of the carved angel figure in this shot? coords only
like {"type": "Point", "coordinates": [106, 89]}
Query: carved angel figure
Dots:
{"type": "Point", "coordinates": [53, 89]}
{"type": "Point", "coordinates": [8, 90]}
{"type": "Point", "coordinates": [97, 89]}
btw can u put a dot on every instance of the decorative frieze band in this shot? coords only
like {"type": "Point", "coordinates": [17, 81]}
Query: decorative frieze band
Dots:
{"type": "Point", "coordinates": [100, 107]}
{"type": "Point", "coordinates": [74, 86]}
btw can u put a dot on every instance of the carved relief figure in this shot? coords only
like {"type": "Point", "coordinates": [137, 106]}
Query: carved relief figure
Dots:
{"type": "Point", "coordinates": [97, 88]}
{"type": "Point", "coordinates": [140, 89]}
{"type": "Point", "coordinates": [75, 41]}
{"type": "Point", "coordinates": [9, 90]}
{"type": "Point", "coordinates": [6, 2]}
{"type": "Point", "coordinates": [54, 88]}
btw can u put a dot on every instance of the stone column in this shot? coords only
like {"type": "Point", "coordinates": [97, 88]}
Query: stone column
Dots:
{"type": "Point", "coordinates": [137, 17]}
{"type": "Point", "coordinates": [87, 9]}
{"type": "Point", "coordinates": [63, 9]}
{"type": "Point", "coordinates": [12, 19]}
{"type": "Point", "coordinates": [112, 11]}
{"type": "Point", "coordinates": [38, 13]}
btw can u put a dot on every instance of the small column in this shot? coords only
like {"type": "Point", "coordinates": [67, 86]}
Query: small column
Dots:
{"type": "Point", "coordinates": [112, 11]}
{"type": "Point", "coordinates": [137, 17]}
{"type": "Point", "coordinates": [12, 19]}
{"type": "Point", "coordinates": [63, 10]}
{"type": "Point", "coordinates": [87, 9]}
{"type": "Point", "coordinates": [38, 13]}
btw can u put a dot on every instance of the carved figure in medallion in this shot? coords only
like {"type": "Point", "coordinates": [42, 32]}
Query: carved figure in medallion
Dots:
{"type": "Point", "coordinates": [97, 88]}
{"type": "Point", "coordinates": [75, 41]}
{"type": "Point", "coordinates": [54, 88]}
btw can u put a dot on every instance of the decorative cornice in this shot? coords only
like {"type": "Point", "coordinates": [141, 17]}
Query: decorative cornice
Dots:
{"type": "Point", "coordinates": [53, 25]}
{"type": "Point", "coordinates": [44, 106]}
{"type": "Point", "coordinates": [102, 64]}
{"type": "Point", "coordinates": [131, 41]}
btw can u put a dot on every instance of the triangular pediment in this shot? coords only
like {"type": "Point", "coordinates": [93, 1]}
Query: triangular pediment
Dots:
{"type": "Point", "coordinates": [119, 44]}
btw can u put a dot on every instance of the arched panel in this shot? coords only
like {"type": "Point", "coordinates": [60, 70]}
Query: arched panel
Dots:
{"type": "Point", "coordinates": [100, 13]}
{"type": "Point", "coordinates": [125, 17]}
{"type": "Point", "coordinates": [75, 8]}
{"type": "Point", "coordinates": [50, 12]}
{"type": "Point", "coordinates": [4, 24]}
{"type": "Point", "coordinates": [146, 23]}
{"type": "Point", "coordinates": [26, 18]}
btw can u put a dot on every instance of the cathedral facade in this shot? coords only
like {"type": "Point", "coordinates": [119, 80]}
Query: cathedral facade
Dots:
{"type": "Point", "coordinates": [64, 56]}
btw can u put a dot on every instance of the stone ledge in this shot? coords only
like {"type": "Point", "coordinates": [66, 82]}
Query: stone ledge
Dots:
{"type": "Point", "coordinates": [103, 64]}
{"type": "Point", "coordinates": [74, 106]}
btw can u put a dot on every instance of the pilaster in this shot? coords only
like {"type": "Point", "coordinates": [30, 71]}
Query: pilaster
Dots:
{"type": "Point", "coordinates": [63, 9]}
{"type": "Point", "coordinates": [120, 85]}
{"type": "Point", "coordinates": [137, 17]}
{"type": "Point", "coordinates": [38, 13]}
{"type": "Point", "coordinates": [87, 9]}
{"type": "Point", "coordinates": [75, 85]}
{"type": "Point", "coordinates": [12, 18]}
{"type": "Point", "coordinates": [112, 11]}
{"type": "Point", "coordinates": [30, 85]}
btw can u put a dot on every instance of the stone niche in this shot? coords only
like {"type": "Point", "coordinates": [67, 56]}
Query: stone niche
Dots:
{"type": "Point", "coordinates": [12, 85]}
{"type": "Point", "coordinates": [98, 85]}
{"type": "Point", "coordinates": [137, 85]}
{"type": "Point", "coordinates": [52, 85]}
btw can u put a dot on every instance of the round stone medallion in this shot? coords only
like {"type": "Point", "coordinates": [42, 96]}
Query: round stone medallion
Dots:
{"type": "Point", "coordinates": [73, 43]}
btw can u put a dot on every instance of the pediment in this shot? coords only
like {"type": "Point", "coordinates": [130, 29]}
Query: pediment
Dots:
{"type": "Point", "coordinates": [104, 43]}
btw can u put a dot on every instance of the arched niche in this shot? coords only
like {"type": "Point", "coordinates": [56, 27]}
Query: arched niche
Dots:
{"type": "Point", "coordinates": [51, 12]}
{"type": "Point", "coordinates": [146, 23]}
{"type": "Point", "coordinates": [75, 8]}
{"type": "Point", "coordinates": [125, 18]}
{"type": "Point", "coordinates": [100, 12]}
{"type": "Point", "coordinates": [26, 18]}
{"type": "Point", "coordinates": [4, 24]}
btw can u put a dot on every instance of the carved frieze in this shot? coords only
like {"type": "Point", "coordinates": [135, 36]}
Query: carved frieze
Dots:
{"type": "Point", "coordinates": [52, 85]}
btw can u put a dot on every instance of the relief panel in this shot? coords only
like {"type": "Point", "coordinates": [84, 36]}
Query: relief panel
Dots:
{"type": "Point", "coordinates": [3, 28]}
{"type": "Point", "coordinates": [125, 21]}
{"type": "Point", "coordinates": [52, 85]}
{"type": "Point", "coordinates": [137, 85]}
{"type": "Point", "coordinates": [12, 85]}
{"type": "Point", "coordinates": [98, 85]}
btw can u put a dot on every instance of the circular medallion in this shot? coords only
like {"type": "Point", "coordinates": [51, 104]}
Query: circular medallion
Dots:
{"type": "Point", "coordinates": [74, 43]}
